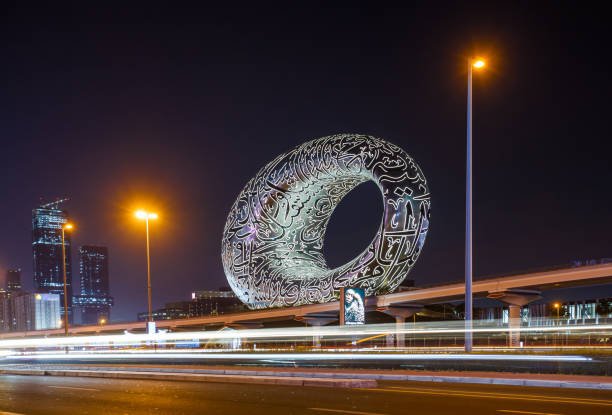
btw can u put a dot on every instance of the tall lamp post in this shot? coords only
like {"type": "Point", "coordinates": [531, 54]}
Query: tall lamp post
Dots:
{"type": "Point", "coordinates": [142, 214]}
{"type": "Point", "coordinates": [557, 307]}
{"type": "Point", "coordinates": [66, 226]}
{"type": "Point", "coordinates": [472, 63]}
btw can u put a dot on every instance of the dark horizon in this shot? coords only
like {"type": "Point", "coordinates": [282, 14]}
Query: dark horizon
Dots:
{"type": "Point", "coordinates": [175, 111]}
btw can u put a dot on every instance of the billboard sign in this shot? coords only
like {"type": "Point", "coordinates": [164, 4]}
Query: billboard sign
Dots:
{"type": "Point", "coordinates": [352, 306]}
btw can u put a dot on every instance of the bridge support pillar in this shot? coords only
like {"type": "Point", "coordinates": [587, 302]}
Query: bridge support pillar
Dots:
{"type": "Point", "coordinates": [389, 340]}
{"type": "Point", "coordinates": [316, 339]}
{"type": "Point", "coordinates": [515, 299]}
{"type": "Point", "coordinates": [400, 312]}
{"type": "Point", "coordinates": [400, 338]}
{"type": "Point", "coordinates": [317, 320]}
{"type": "Point", "coordinates": [514, 318]}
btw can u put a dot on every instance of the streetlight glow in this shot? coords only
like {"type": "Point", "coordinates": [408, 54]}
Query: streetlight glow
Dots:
{"type": "Point", "coordinates": [68, 226]}
{"type": "Point", "coordinates": [143, 214]}
{"type": "Point", "coordinates": [479, 63]}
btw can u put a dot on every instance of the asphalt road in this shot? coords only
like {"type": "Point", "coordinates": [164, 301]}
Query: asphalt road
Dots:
{"type": "Point", "coordinates": [56, 395]}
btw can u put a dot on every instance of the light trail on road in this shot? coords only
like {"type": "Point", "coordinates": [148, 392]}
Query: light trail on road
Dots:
{"type": "Point", "coordinates": [297, 333]}
{"type": "Point", "coordinates": [197, 355]}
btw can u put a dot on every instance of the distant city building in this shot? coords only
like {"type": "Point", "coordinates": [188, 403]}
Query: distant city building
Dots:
{"type": "Point", "coordinates": [38, 311]}
{"type": "Point", "coordinates": [209, 302]}
{"type": "Point", "coordinates": [13, 279]}
{"type": "Point", "coordinates": [94, 301]}
{"type": "Point", "coordinates": [223, 292]}
{"type": "Point", "coordinates": [581, 263]}
{"type": "Point", "coordinates": [203, 303]}
{"type": "Point", "coordinates": [5, 310]}
{"type": "Point", "coordinates": [166, 313]}
{"type": "Point", "coordinates": [13, 288]}
{"type": "Point", "coordinates": [544, 313]}
{"type": "Point", "coordinates": [47, 222]}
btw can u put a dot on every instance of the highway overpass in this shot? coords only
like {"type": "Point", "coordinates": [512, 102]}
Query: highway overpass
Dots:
{"type": "Point", "coordinates": [398, 304]}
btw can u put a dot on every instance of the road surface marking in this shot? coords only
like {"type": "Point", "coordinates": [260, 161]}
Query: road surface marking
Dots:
{"type": "Point", "coordinates": [74, 387]}
{"type": "Point", "coordinates": [511, 397]}
{"type": "Point", "coordinates": [524, 412]}
{"type": "Point", "coordinates": [547, 397]}
{"type": "Point", "coordinates": [9, 413]}
{"type": "Point", "coordinates": [342, 411]}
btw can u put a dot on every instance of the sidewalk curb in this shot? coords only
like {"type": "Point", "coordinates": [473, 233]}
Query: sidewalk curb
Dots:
{"type": "Point", "coordinates": [321, 377]}
{"type": "Point", "coordinates": [196, 377]}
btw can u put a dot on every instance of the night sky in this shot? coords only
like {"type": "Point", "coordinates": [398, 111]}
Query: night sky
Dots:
{"type": "Point", "coordinates": [175, 109]}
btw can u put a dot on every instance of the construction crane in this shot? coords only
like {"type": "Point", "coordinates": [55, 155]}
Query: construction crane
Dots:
{"type": "Point", "coordinates": [55, 204]}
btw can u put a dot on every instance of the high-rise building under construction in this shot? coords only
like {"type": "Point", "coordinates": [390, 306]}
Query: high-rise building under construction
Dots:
{"type": "Point", "coordinates": [47, 223]}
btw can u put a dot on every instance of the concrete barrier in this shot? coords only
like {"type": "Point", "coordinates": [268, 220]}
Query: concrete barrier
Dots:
{"type": "Point", "coordinates": [197, 377]}
{"type": "Point", "coordinates": [296, 378]}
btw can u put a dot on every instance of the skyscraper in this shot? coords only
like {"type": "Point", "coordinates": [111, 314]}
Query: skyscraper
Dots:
{"type": "Point", "coordinates": [47, 222]}
{"type": "Point", "coordinates": [95, 301]}
{"type": "Point", "coordinates": [13, 280]}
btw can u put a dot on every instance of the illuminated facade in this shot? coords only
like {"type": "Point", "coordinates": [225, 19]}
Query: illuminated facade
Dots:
{"type": "Point", "coordinates": [37, 311]}
{"type": "Point", "coordinates": [272, 247]}
{"type": "Point", "coordinates": [47, 225]}
{"type": "Point", "coordinates": [94, 301]}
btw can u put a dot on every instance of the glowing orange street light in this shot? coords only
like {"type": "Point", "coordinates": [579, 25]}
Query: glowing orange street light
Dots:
{"type": "Point", "coordinates": [102, 321]}
{"type": "Point", "coordinates": [557, 307]}
{"type": "Point", "coordinates": [479, 63]}
{"type": "Point", "coordinates": [65, 227]}
{"type": "Point", "coordinates": [143, 214]}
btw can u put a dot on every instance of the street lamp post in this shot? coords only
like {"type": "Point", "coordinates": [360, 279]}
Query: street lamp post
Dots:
{"type": "Point", "coordinates": [468, 210]}
{"type": "Point", "coordinates": [557, 307]}
{"type": "Point", "coordinates": [64, 227]}
{"type": "Point", "coordinates": [141, 214]}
